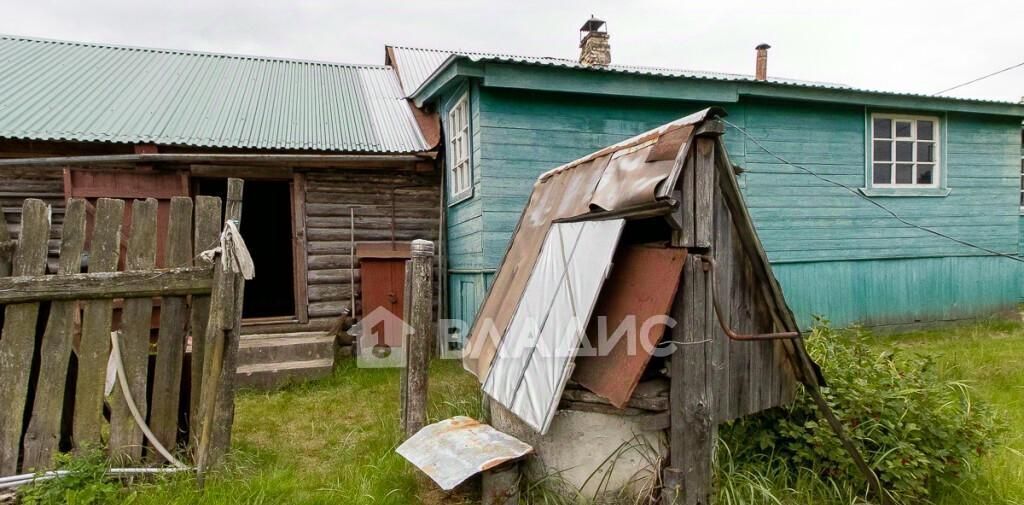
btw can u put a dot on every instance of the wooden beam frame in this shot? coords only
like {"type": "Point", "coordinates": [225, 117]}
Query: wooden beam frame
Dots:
{"type": "Point", "coordinates": [106, 285]}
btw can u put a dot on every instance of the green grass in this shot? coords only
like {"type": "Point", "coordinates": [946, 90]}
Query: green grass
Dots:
{"type": "Point", "coordinates": [988, 356]}
{"type": "Point", "coordinates": [327, 442]}
{"type": "Point", "coordinates": [332, 441]}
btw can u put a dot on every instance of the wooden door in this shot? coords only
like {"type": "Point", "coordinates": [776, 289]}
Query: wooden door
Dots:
{"type": "Point", "coordinates": [383, 287]}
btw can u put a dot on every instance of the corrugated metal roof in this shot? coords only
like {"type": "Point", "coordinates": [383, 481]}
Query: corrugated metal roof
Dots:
{"type": "Point", "coordinates": [57, 90]}
{"type": "Point", "coordinates": [422, 63]}
{"type": "Point", "coordinates": [415, 66]}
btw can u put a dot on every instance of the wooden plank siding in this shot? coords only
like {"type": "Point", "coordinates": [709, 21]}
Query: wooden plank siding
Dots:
{"type": "Point", "coordinates": [819, 237]}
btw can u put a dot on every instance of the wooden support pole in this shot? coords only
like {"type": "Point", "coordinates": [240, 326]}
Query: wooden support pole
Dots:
{"type": "Point", "coordinates": [688, 478]}
{"type": "Point", "coordinates": [420, 342]}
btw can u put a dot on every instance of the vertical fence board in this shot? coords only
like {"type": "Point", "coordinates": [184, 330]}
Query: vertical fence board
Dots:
{"type": "Point", "coordinates": [17, 342]}
{"type": "Point", "coordinates": [207, 233]}
{"type": "Point", "coordinates": [136, 319]}
{"type": "Point", "coordinates": [173, 327]}
{"type": "Point", "coordinates": [43, 434]}
{"type": "Point", "coordinates": [96, 319]}
{"type": "Point", "coordinates": [6, 251]}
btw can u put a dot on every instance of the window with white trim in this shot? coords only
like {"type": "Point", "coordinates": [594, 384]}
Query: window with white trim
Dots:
{"type": "Point", "coordinates": [1022, 182]}
{"type": "Point", "coordinates": [904, 151]}
{"type": "Point", "coordinates": [460, 172]}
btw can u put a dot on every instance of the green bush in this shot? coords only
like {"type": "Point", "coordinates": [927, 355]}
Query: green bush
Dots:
{"type": "Point", "coordinates": [919, 433]}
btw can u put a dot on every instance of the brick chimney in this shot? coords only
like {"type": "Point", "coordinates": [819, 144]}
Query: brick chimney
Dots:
{"type": "Point", "coordinates": [594, 47]}
{"type": "Point", "coordinates": [761, 73]}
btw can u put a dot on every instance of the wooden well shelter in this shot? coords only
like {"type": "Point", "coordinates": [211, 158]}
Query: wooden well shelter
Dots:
{"type": "Point", "coordinates": [652, 227]}
{"type": "Point", "coordinates": [332, 156]}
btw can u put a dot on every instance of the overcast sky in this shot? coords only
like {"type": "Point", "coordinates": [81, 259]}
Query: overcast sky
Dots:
{"type": "Point", "coordinates": [900, 45]}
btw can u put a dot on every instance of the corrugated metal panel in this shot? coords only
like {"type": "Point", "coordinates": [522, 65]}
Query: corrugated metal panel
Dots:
{"type": "Point", "coordinates": [455, 449]}
{"type": "Point", "coordinates": [55, 90]}
{"type": "Point", "coordinates": [415, 66]}
{"type": "Point", "coordinates": [420, 60]}
{"type": "Point", "coordinates": [534, 359]}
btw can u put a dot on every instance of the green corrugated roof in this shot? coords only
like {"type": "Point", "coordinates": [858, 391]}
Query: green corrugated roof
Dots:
{"type": "Point", "coordinates": [56, 90]}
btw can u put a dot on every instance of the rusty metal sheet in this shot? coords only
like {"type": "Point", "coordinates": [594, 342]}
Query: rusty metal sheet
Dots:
{"type": "Point", "coordinates": [632, 178]}
{"type": "Point", "coordinates": [642, 285]}
{"type": "Point", "coordinates": [455, 449]}
{"type": "Point", "coordinates": [566, 191]}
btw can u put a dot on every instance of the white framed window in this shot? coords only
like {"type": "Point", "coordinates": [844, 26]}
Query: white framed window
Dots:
{"type": "Point", "coordinates": [904, 151]}
{"type": "Point", "coordinates": [460, 175]}
{"type": "Point", "coordinates": [1022, 183]}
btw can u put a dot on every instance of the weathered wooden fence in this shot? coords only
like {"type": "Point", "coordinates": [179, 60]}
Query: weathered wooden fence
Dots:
{"type": "Point", "coordinates": [54, 373]}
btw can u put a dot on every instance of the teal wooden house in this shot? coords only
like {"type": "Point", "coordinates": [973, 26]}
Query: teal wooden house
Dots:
{"type": "Point", "coordinates": [952, 166]}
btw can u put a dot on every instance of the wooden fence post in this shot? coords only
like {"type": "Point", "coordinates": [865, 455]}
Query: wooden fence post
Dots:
{"type": "Point", "coordinates": [217, 407]}
{"type": "Point", "coordinates": [224, 416]}
{"type": "Point", "coordinates": [420, 342]}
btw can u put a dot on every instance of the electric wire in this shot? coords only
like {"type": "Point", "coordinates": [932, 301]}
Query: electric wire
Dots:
{"type": "Point", "coordinates": [982, 78]}
{"type": "Point", "coordinates": [858, 194]}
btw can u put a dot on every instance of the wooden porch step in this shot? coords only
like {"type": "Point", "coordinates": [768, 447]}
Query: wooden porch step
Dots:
{"type": "Point", "coordinates": [272, 375]}
{"type": "Point", "coordinates": [285, 347]}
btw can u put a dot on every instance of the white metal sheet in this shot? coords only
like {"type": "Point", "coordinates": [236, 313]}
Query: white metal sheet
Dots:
{"type": "Point", "coordinates": [534, 357]}
{"type": "Point", "coordinates": [455, 449]}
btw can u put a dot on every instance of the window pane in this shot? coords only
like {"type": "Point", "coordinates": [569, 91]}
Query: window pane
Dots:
{"type": "Point", "coordinates": [903, 128]}
{"type": "Point", "coordinates": [924, 174]}
{"type": "Point", "coordinates": [925, 130]}
{"type": "Point", "coordinates": [904, 151]}
{"type": "Point", "coordinates": [926, 151]}
{"type": "Point", "coordinates": [904, 173]}
{"type": "Point", "coordinates": [883, 128]}
{"type": "Point", "coordinates": [883, 150]}
{"type": "Point", "coordinates": [882, 173]}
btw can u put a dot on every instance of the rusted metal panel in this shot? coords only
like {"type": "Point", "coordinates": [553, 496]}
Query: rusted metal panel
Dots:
{"type": "Point", "coordinates": [455, 449]}
{"type": "Point", "coordinates": [642, 286]}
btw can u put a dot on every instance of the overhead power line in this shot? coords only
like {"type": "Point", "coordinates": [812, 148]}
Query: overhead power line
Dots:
{"type": "Point", "coordinates": [857, 193]}
{"type": "Point", "coordinates": [982, 78]}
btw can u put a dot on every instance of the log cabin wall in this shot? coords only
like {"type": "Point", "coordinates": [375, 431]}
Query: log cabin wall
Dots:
{"type": "Point", "coordinates": [332, 196]}
{"type": "Point", "coordinates": [323, 198]}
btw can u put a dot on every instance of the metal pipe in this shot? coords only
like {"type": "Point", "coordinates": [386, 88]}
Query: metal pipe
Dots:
{"type": "Point", "coordinates": [248, 158]}
{"type": "Point", "coordinates": [786, 335]}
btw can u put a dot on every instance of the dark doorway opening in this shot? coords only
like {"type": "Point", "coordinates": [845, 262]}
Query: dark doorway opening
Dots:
{"type": "Point", "coordinates": [267, 230]}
